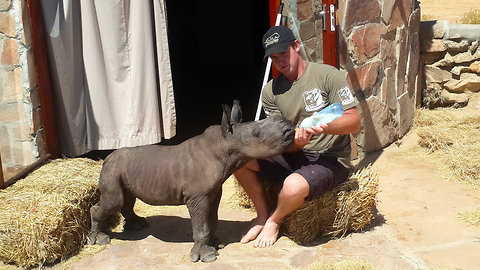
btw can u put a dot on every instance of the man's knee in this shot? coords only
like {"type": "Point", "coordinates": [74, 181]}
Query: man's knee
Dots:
{"type": "Point", "coordinates": [296, 185]}
{"type": "Point", "coordinates": [251, 166]}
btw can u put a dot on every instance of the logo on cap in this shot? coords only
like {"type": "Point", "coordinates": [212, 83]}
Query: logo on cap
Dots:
{"type": "Point", "coordinates": [274, 38]}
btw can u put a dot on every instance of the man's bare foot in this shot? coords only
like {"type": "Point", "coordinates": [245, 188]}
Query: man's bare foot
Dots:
{"type": "Point", "coordinates": [253, 231]}
{"type": "Point", "coordinates": [268, 236]}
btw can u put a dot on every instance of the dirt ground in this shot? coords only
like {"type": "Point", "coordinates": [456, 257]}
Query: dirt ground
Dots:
{"type": "Point", "coordinates": [450, 10]}
{"type": "Point", "coordinates": [416, 227]}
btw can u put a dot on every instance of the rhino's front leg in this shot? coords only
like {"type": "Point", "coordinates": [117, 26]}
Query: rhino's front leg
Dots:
{"type": "Point", "coordinates": [199, 209]}
{"type": "Point", "coordinates": [213, 217]}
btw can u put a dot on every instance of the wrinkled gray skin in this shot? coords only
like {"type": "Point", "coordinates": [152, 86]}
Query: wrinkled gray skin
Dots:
{"type": "Point", "coordinates": [190, 173]}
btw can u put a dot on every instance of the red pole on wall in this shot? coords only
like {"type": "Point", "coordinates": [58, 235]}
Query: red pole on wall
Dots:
{"type": "Point", "coordinates": [274, 6]}
{"type": "Point", "coordinates": [330, 33]}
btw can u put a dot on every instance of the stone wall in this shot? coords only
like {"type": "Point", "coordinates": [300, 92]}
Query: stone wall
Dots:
{"type": "Point", "coordinates": [19, 99]}
{"type": "Point", "coordinates": [451, 57]}
{"type": "Point", "coordinates": [379, 53]}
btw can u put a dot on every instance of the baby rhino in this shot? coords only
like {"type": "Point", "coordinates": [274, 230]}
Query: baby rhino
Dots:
{"type": "Point", "coordinates": [190, 173]}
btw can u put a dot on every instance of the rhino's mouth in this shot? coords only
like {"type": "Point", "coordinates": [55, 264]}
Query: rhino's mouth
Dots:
{"type": "Point", "coordinates": [288, 132]}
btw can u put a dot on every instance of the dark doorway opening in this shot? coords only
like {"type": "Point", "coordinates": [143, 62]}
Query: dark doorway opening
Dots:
{"type": "Point", "coordinates": [216, 57]}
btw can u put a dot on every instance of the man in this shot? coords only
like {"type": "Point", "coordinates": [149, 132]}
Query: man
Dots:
{"type": "Point", "coordinates": [319, 158]}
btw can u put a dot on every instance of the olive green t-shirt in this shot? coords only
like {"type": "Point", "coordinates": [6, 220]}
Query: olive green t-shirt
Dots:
{"type": "Point", "coordinates": [319, 86]}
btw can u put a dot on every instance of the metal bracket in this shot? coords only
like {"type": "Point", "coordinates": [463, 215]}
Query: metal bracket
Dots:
{"type": "Point", "coordinates": [323, 14]}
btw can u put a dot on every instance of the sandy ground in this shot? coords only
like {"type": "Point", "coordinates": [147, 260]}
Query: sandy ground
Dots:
{"type": "Point", "coordinates": [450, 10]}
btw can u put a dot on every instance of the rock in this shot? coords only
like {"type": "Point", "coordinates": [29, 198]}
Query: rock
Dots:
{"type": "Point", "coordinates": [435, 45]}
{"type": "Point", "coordinates": [467, 82]}
{"type": "Point", "coordinates": [453, 46]}
{"type": "Point", "coordinates": [398, 18]}
{"type": "Point", "coordinates": [455, 99]}
{"type": "Point", "coordinates": [365, 77]}
{"type": "Point", "coordinates": [464, 57]}
{"type": "Point", "coordinates": [359, 12]}
{"type": "Point", "coordinates": [475, 45]}
{"type": "Point", "coordinates": [457, 70]}
{"type": "Point", "coordinates": [366, 40]}
{"type": "Point", "coordinates": [388, 50]}
{"type": "Point", "coordinates": [380, 126]}
{"type": "Point", "coordinates": [475, 67]}
{"type": "Point", "coordinates": [447, 61]}
{"type": "Point", "coordinates": [432, 57]}
{"type": "Point", "coordinates": [436, 75]}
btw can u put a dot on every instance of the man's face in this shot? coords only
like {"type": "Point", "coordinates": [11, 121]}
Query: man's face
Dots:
{"type": "Point", "coordinates": [287, 61]}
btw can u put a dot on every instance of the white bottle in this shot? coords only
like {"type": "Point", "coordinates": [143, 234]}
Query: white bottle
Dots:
{"type": "Point", "coordinates": [324, 116]}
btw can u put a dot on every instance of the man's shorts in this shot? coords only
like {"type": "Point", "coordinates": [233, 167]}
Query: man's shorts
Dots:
{"type": "Point", "coordinates": [323, 173]}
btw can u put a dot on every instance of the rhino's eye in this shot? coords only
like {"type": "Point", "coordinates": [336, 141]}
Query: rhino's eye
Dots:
{"type": "Point", "coordinates": [256, 133]}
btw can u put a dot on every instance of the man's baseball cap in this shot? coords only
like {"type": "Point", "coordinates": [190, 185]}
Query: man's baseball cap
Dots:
{"type": "Point", "coordinates": [276, 40]}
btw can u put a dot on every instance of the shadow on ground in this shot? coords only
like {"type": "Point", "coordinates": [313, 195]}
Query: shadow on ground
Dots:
{"type": "Point", "coordinates": [176, 229]}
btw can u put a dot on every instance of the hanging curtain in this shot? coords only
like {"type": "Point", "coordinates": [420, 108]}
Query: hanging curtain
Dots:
{"type": "Point", "coordinates": [111, 73]}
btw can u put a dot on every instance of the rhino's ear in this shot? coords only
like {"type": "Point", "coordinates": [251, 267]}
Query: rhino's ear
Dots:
{"type": "Point", "coordinates": [236, 113]}
{"type": "Point", "coordinates": [226, 120]}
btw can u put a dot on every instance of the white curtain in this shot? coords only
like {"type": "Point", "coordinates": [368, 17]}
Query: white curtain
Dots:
{"type": "Point", "coordinates": [111, 75]}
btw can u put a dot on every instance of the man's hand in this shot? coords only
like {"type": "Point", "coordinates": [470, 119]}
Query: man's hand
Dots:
{"type": "Point", "coordinates": [302, 138]}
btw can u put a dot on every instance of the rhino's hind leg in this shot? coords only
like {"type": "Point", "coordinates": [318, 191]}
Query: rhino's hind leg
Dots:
{"type": "Point", "coordinates": [111, 201]}
{"type": "Point", "coordinates": [132, 221]}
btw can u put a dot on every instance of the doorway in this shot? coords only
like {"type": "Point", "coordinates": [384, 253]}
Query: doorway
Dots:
{"type": "Point", "coordinates": [216, 57]}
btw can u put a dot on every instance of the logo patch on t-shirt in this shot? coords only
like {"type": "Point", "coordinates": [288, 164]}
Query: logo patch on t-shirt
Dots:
{"type": "Point", "coordinates": [345, 95]}
{"type": "Point", "coordinates": [313, 100]}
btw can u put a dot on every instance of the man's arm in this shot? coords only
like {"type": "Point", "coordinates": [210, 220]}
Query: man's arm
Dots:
{"type": "Point", "coordinates": [348, 123]}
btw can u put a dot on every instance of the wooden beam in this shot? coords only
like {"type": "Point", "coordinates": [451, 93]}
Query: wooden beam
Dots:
{"type": "Point", "coordinates": [273, 7]}
{"type": "Point", "coordinates": [2, 180]}
{"type": "Point", "coordinates": [330, 54]}
{"type": "Point", "coordinates": [42, 160]}
{"type": "Point", "coordinates": [44, 84]}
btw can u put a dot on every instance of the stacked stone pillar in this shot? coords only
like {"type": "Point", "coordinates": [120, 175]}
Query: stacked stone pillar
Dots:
{"type": "Point", "coordinates": [378, 47]}
{"type": "Point", "coordinates": [18, 89]}
{"type": "Point", "coordinates": [380, 53]}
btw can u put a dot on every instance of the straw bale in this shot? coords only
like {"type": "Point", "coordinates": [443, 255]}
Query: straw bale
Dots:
{"type": "Point", "coordinates": [240, 197]}
{"type": "Point", "coordinates": [45, 216]}
{"type": "Point", "coordinates": [347, 208]}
